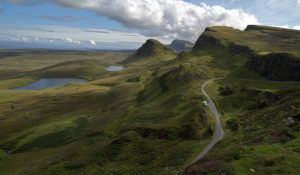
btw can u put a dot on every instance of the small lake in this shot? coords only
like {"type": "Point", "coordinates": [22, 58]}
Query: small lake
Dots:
{"type": "Point", "coordinates": [49, 83]}
{"type": "Point", "coordinates": [114, 68]}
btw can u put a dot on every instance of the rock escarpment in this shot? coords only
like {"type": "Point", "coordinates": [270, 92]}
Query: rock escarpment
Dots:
{"type": "Point", "coordinates": [276, 66]}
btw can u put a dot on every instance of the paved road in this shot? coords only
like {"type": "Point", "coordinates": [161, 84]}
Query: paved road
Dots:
{"type": "Point", "coordinates": [219, 131]}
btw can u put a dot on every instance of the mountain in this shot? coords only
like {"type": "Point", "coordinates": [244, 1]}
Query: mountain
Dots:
{"type": "Point", "coordinates": [151, 52]}
{"type": "Point", "coordinates": [256, 38]}
{"type": "Point", "coordinates": [272, 52]}
{"type": "Point", "coordinates": [181, 45]}
{"type": "Point", "coordinates": [149, 118]}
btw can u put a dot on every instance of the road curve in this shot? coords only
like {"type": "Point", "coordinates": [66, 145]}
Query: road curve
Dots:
{"type": "Point", "coordinates": [219, 131]}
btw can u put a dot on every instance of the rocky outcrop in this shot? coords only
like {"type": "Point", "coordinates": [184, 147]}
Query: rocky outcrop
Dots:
{"type": "Point", "coordinates": [237, 49]}
{"type": "Point", "coordinates": [181, 45]}
{"type": "Point", "coordinates": [276, 66]}
{"type": "Point", "coordinates": [206, 40]}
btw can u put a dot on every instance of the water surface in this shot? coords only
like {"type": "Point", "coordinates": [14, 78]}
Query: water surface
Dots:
{"type": "Point", "coordinates": [114, 68]}
{"type": "Point", "coordinates": [49, 83]}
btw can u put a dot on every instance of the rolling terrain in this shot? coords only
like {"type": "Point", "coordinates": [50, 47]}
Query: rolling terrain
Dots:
{"type": "Point", "coordinates": [149, 117]}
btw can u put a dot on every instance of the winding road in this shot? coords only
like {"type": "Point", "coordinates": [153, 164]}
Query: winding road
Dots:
{"type": "Point", "coordinates": [219, 131]}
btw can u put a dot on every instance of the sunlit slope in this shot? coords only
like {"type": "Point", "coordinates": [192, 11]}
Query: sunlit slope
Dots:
{"type": "Point", "coordinates": [256, 38]}
{"type": "Point", "coordinates": [259, 134]}
{"type": "Point", "coordinates": [143, 119]}
{"type": "Point", "coordinates": [151, 52]}
{"type": "Point", "coordinates": [269, 51]}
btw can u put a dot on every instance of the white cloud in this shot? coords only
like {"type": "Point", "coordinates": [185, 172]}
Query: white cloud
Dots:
{"type": "Point", "coordinates": [71, 36]}
{"type": "Point", "coordinates": [161, 18]}
{"type": "Point", "coordinates": [296, 27]}
{"type": "Point", "coordinates": [69, 40]}
{"type": "Point", "coordinates": [284, 26]}
{"type": "Point", "coordinates": [25, 39]}
{"type": "Point", "coordinates": [93, 42]}
{"type": "Point", "coordinates": [288, 27]}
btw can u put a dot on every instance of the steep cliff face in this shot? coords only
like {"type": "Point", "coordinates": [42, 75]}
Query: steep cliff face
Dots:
{"type": "Point", "coordinates": [276, 66]}
{"type": "Point", "coordinates": [234, 49]}
{"type": "Point", "coordinates": [206, 40]}
{"type": "Point", "coordinates": [181, 45]}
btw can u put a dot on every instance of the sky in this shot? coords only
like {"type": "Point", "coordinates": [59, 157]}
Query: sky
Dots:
{"type": "Point", "coordinates": [126, 24]}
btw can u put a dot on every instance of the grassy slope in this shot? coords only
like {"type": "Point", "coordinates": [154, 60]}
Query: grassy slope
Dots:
{"type": "Point", "coordinates": [258, 134]}
{"type": "Point", "coordinates": [115, 123]}
{"type": "Point", "coordinates": [52, 118]}
{"type": "Point", "coordinates": [231, 49]}
{"type": "Point", "coordinates": [152, 52]}
{"type": "Point", "coordinates": [255, 115]}
{"type": "Point", "coordinates": [258, 38]}
{"type": "Point", "coordinates": [118, 123]}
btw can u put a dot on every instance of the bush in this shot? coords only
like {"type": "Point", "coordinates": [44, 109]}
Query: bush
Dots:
{"type": "Point", "coordinates": [232, 124]}
{"type": "Point", "coordinates": [269, 162]}
{"type": "Point", "coordinates": [75, 164]}
{"type": "Point", "coordinates": [225, 90]}
{"type": "Point", "coordinates": [211, 167]}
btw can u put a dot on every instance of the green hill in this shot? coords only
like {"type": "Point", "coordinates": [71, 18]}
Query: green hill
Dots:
{"type": "Point", "coordinates": [151, 52]}
{"type": "Point", "coordinates": [256, 38]}
{"type": "Point", "coordinates": [269, 51]}
{"type": "Point", "coordinates": [143, 119]}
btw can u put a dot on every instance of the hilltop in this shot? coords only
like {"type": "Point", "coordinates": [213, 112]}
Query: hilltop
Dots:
{"type": "Point", "coordinates": [257, 38]}
{"type": "Point", "coordinates": [181, 45]}
{"type": "Point", "coordinates": [269, 51]}
{"type": "Point", "coordinates": [151, 52]}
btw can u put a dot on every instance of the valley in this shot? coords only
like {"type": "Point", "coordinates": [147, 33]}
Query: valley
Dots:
{"type": "Point", "coordinates": [149, 117]}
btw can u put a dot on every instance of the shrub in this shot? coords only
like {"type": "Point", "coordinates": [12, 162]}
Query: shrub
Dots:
{"type": "Point", "coordinates": [79, 163]}
{"type": "Point", "coordinates": [211, 167]}
{"type": "Point", "coordinates": [225, 90]}
{"type": "Point", "coordinates": [232, 124]}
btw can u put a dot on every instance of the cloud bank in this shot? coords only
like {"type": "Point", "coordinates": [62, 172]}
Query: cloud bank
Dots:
{"type": "Point", "coordinates": [169, 19]}
{"type": "Point", "coordinates": [70, 37]}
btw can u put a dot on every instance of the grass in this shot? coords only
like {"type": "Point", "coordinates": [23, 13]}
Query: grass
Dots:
{"type": "Point", "coordinates": [258, 136]}
{"type": "Point", "coordinates": [149, 117]}
{"type": "Point", "coordinates": [257, 52]}
{"type": "Point", "coordinates": [260, 39]}
{"type": "Point", "coordinates": [152, 52]}
{"type": "Point", "coordinates": [114, 123]}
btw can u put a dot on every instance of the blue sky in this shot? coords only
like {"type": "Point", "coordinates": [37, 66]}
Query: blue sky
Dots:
{"type": "Point", "coordinates": [126, 24]}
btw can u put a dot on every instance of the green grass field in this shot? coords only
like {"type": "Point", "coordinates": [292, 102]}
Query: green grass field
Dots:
{"type": "Point", "coordinates": [113, 123]}
{"type": "Point", "coordinates": [148, 118]}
